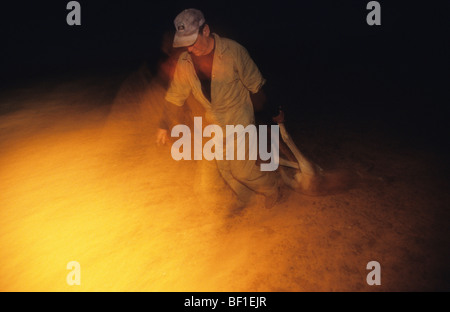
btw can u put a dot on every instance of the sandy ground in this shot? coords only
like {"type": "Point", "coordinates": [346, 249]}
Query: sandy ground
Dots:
{"type": "Point", "coordinates": [82, 180]}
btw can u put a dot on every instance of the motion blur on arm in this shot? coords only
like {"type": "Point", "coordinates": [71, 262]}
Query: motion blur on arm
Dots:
{"type": "Point", "coordinates": [170, 116]}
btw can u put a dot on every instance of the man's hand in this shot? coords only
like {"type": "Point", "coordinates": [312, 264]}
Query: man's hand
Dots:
{"type": "Point", "coordinates": [279, 118]}
{"type": "Point", "coordinates": [161, 136]}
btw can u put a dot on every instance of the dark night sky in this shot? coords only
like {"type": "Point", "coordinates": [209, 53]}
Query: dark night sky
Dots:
{"type": "Point", "coordinates": [318, 53]}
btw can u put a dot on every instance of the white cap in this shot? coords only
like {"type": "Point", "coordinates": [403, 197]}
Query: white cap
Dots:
{"type": "Point", "coordinates": [187, 24]}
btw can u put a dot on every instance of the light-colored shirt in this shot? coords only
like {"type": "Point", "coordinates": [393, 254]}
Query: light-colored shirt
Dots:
{"type": "Point", "coordinates": [234, 76]}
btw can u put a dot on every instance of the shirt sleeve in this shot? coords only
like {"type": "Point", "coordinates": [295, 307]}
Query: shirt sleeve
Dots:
{"type": "Point", "coordinates": [249, 73]}
{"type": "Point", "coordinates": [179, 88]}
{"type": "Point", "coordinates": [171, 115]}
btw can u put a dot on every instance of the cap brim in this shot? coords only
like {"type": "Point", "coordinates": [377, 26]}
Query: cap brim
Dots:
{"type": "Point", "coordinates": [184, 41]}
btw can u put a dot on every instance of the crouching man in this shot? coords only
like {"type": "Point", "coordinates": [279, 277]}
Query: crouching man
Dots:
{"type": "Point", "coordinates": [221, 75]}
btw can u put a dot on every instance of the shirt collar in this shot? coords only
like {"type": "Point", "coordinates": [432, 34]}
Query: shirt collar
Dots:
{"type": "Point", "coordinates": [219, 48]}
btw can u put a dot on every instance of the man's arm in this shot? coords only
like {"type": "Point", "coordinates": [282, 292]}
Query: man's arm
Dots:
{"type": "Point", "coordinates": [266, 110]}
{"type": "Point", "coordinates": [171, 115]}
{"type": "Point", "coordinates": [249, 73]}
{"type": "Point", "coordinates": [177, 93]}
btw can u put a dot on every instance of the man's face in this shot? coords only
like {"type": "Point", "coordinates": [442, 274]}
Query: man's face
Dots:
{"type": "Point", "coordinates": [201, 46]}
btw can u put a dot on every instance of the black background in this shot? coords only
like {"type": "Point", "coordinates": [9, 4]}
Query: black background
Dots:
{"type": "Point", "coordinates": [320, 58]}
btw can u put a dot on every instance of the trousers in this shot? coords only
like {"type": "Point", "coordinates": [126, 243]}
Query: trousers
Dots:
{"type": "Point", "coordinates": [244, 176]}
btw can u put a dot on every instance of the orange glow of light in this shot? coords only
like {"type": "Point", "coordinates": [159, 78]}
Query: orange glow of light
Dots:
{"type": "Point", "coordinates": [132, 217]}
{"type": "Point", "coordinates": [84, 181]}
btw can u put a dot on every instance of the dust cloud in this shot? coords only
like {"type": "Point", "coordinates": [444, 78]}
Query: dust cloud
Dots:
{"type": "Point", "coordinates": [83, 180]}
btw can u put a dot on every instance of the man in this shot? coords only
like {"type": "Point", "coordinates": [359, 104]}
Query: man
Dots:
{"type": "Point", "coordinates": [223, 78]}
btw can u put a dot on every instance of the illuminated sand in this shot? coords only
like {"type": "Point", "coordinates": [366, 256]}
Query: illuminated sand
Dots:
{"type": "Point", "coordinates": [82, 180]}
